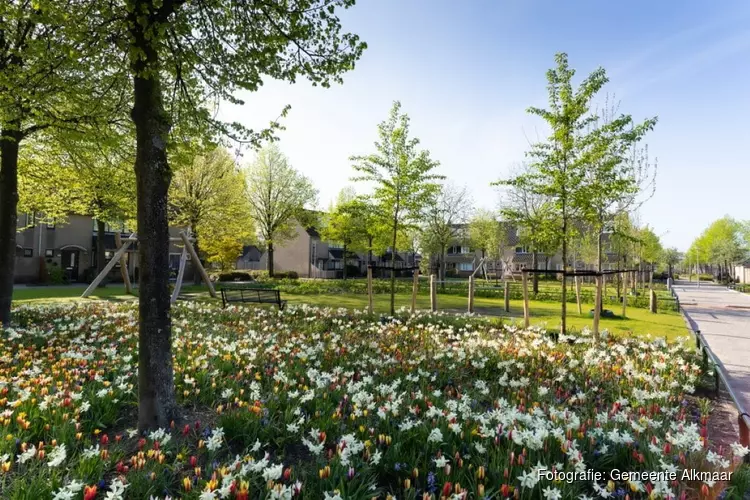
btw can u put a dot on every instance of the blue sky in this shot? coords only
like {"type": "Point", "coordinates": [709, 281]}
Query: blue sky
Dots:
{"type": "Point", "coordinates": [465, 72]}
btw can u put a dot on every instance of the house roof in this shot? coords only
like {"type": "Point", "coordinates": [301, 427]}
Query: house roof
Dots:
{"type": "Point", "coordinates": [249, 249]}
{"type": "Point", "coordinates": [338, 253]}
{"type": "Point", "coordinates": [313, 232]}
{"type": "Point", "coordinates": [387, 256]}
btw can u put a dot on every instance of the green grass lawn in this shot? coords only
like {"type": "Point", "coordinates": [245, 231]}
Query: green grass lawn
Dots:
{"type": "Point", "coordinates": [639, 321]}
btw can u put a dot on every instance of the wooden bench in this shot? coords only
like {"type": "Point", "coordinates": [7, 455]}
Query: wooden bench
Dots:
{"type": "Point", "coordinates": [251, 294]}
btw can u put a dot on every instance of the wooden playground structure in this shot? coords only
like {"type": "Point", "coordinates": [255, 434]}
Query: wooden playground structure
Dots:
{"type": "Point", "coordinates": [119, 256]}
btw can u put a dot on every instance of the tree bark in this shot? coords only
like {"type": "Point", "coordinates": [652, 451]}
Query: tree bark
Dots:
{"type": "Point", "coordinates": [10, 137]}
{"type": "Point", "coordinates": [369, 251]}
{"type": "Point", "coordinates": [535, 275]}
{"type": "Point", "coordinates": [269, 264]}
{"type": "Point", "coordinates": [599, 252]}
{"type": "Point", "coordinates": [157, 405]}
{"type": "Point", "coordinates": [100, 250]}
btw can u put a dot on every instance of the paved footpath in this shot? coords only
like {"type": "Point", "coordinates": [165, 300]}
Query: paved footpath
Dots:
{"type": "Point", "coordinates": [723, 318]}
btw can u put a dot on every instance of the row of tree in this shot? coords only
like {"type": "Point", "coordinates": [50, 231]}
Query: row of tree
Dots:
{"type": "Point", "coordinates": [719, 247]}
{"type": "Point", "coordinates": [585, 180]}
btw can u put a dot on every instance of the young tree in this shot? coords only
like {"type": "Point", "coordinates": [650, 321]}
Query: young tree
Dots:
{"type": "Point", "coordinates": [489, 235]}
{"type": "Point", "coordinates": [444, 220]}
{"type": "Point", "coordinates": [373, 231]}
{"type": "Point", "coordinates": [208, 195]}
{"type": "Point", "coordinates": [402, 175]}
{"type": "Point", "coordinates": [670, 257]}
{"type": "Point", "coordinates": [721, 244]}
{"type": "Point", "coordinates": [650, 250]}
{"type": "Point", "coordinates": [559, 164]}
{"type": "Point", "coordinates": [619, 173]}
{"type": "Point", "coordinates": [52, 55]}
{"type": "Point", "coordinates": [534, 216]}
{"type": "Point", "coordinates": [344, 223]}
{"type": "Point", "coordinates": [278, 197]}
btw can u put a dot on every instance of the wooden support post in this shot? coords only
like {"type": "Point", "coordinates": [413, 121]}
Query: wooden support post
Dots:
{"type": "Point", "coordinates": [597, 305]}
{"type": "Point", "coordinates": [197, 263]}
{"type": "Point", "coordinates": [652, 301]}
{"type": "Point", "coordinates": [369, 289]}
{"type": "Point", "coordinates": [123, 266]}
{"type": "Point", "coordinates": [525, 278]}
{"type": "Point", "coordinates": [180, 276]}
{"type": "Point", "coordinates": [114, 260]}
{"type": "Point", "coordinates": [414, 288]}
{"type": "Point", "coordinates": [433, 293]}
{"type": "Point", "coordinates": [471, 294]}
{"type": "Point", "coordinates": [624, 293]}
{"type": "Point", "coordinates": [578, 294]}
{"type": "Point", "coordinates": [506, 296]}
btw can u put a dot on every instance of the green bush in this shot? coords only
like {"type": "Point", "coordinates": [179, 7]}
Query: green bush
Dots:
{"type": "Point", "coordinates": [285, 275]}
{"type": "Point", "coordinates": [234, 276]}
{"type": "Point", "coordinates": [56, 275]}
{"type": "Point", "coordinates": [259, 275]}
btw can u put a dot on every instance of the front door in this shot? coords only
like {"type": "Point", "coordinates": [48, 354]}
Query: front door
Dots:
{"type": "Point", "coordinates": [70, 260]}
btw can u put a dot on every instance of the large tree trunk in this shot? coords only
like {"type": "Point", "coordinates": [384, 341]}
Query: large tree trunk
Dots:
{"type": "Point", "coordinates": [100, 250]}
{"type": "Point", "coordinates": [599, 252]}
{"type": "Point", "coordinates": [156, 394]}
{"type": "Point", "coordinates": [269, 264]}
{"type": "Point", "coordinates": [10, 138]}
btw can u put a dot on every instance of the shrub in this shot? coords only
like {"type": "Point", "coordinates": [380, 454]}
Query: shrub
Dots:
{"type": "Point", "coordinates": [234, 276]}
{"type": "Point", "coordinates": [284, 275]}
{"type": "Point", "coordinates": [56, 275]}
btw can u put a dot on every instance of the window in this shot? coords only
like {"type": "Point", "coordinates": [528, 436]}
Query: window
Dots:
{"type": "Point", "coordinates": [465, 249]}
{"type": "Point", "coordinates": [107, 255]}
{"type": "Point", "coordinates": [28, 252]}
{"type": "Point", "coordinates": [49, 253]}
{"type": "Point", "coordinates": [51, 226]}
{"type": "Point", "coordinates": [465, 266]}
{"type": "Point", "coordinates": [522, 250]}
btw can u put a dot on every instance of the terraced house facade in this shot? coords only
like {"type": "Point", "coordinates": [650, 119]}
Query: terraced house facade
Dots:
{"type": "Point", "coordinates": [308, 255]}
{"type": "Point", "coordinates": [71, 247]}
{"type": "Point", "coordinates": [462, 260]}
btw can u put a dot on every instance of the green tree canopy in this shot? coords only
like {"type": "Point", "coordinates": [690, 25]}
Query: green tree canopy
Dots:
{"type": "Point", "coordinates": [279, 198]}
{"type": "Point", "coordinates": [402, 175]}
{"type": "Point", "coordinates": [558, 165]}
{"type": "Point", "coordinates": [444, 221]}
{"type": "Point", "coordinates": [209, 196]}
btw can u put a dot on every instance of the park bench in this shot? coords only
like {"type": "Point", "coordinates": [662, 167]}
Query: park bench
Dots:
{"type": "Point", "coordinates": [251, 294]}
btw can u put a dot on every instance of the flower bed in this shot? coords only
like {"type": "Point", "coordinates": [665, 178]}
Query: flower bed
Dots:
{"type": "Point", "coordinates": [315, 403]}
